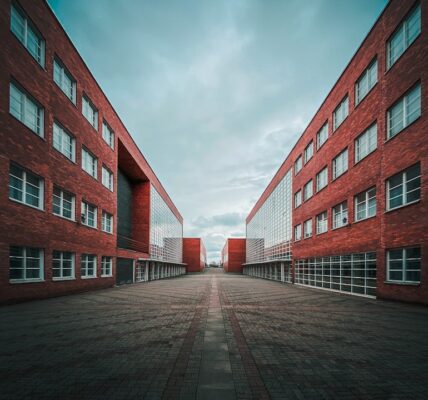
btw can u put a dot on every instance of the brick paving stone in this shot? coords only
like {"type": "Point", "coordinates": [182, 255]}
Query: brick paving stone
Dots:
{"type": "Point", "coordinates": [213, 335]}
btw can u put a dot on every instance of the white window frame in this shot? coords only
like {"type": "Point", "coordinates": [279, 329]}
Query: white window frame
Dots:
{"type": "Point", "coordinates": [306, 233]}
{"type": "Point", "coordinates": [84, 213]}
{"type": "Point", "coordinates": [85, 259]}
{"type": "Point", "coordinates": [340, 164]}
{"type": "Point", "coordinates": [108, 135]}
{"type": "Point", "coordinates": [298, 165]}
{"type": "Point", "coordinates": [61, 268]}
{"type": "Point", "coordinates": [61, 83]}
{"type": "Point", "coordinates": [403, 29]}
{"type": "Point", "coordinates": [61, 203]}
{"type": "Point", "coordinates": [26, 102]}
{"type": "Point", "coordinates": [322, 135]}
{"type": "Point", "coordinates": [322, 179]}
{"type": "Point", "coordinates": [298, 198]}
{"type": "Point", "coordinates": [368, 79]}
{"type": "Point", "coordinates": [106, 266]}
{"type": "Point", "coordinates": [322, 223]}
{"type": "Point", "coordinates": [298, 232]}
{"type": "Point", "coordinates": [340, 113]}
{"type": "Point", "coordinates": [309, 152]}
{"type": "Point", "coordinates": [366, 143]}
{"type": "Point", "coordinates": [369, 195]}
{"type": "Point", "coordinates": [404, 103]}
{"type": "Point", "coordinates": [86, 106]}
{"type": "Point", "coordinates": [89, 163]}
{"type": "Point", "coordinates": [405, 192]}
{"type": "Point", "coordinates": [25, 260]}
{"type": "Point", "coordinates": [59, 141]}
{"type": "Point", "coordinates": [106, 217]}
{"type": "Point", "coordinates": [340, 213]}
{"type": "Point", "coordinates": [28, 29]}
{"type": "Point", "coordinates": [107, 178]}
{"type": "Point", "coordinates": [309, 184]}
{"type": "Point", "coordinates": [404, 268]}
{"type": "Point", "coordinates": [24, 190]}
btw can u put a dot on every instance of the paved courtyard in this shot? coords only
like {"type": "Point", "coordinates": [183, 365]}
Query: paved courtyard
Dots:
{"type": "Point", "coordinates": [213, 336]}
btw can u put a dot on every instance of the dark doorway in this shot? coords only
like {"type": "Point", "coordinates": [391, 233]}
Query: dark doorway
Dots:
{"type": "Point", "coordinates": [124, 271]}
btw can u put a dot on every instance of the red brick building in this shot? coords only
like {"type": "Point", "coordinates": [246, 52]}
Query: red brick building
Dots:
{"type": "Point", "coordinates": [354, 187]}
{"type": "Point", "coordinates": [80, 206]}
{"type": "Point", "coordinates": [194, 254]}
{"type": "Point", "coordinates": [233, 255]}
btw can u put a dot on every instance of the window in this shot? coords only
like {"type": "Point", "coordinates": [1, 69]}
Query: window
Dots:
{"type": "Point", "coordinates": [62, 265]}
{"type": "Point", "coordinates": [89, 163]}
{"type": "Point", "coordinates": [366, 143]}
{"type": "Point", "coordinates": [88, 266]}
{"type": "Point", "coordinates": [297, 199]}
{"type": "Point", "coordinates": [404, 265]}
{"type": "Point", "coordinates": [25, 109]}
{"type": "Point", "coordinates": [340, 113]}
{"type": "Point", "coordinates": [404, 36]}
{"type": "Point", "coordinates": [322, 222]}
{"type": "Point", "coordinates": [405, 111]}
{"type": "Point", "coordinates": [107, 222]}
{"type": "Point", "coordinates": [90, 112]}
{"type": "Point", "coordinates": [107, 178]}
{"type": "Point", "coordinates": [64, 80]}
{"type": "Point", "coordinates": [27, 35]}
{"type": "Point", "coordinates": [63, 204]}
{"type": "Point", "coordinates": [64, 142]}
{"type": "Point", "coordinates": [340, 164]}
{"type": "Point", "coordinates": [307, 228]}
{"type": "Point", "coordinates": [106, 266]}
{"type": "Point", "coordinates": [322, 135]}
{"type": "Point", "coordinates": [309, 151]}
{"type": "Point", "coordinates": [308, 190]}
{"type": "Point", "coordinates": [404, 187]}
{"type": "Point", "coordinates": [322, 179]}
{"type": "Point", "coordinates": [108, 135]}
{"type": "Point", "coordinates": [366, 82]}
{"type": "Point", "coordinates": [26, 264]}
{"type": "Point", "coordinates": [340, 215]}
{"type": "Point", "coordinates": [365, 204]}
{"type": "Point", "coordinates": [89, 215]}
{"type": "Point", "coordinates": [298, 165]}
{"type": "Point", "coordinates": [298, 232]}
{"type": "Point", "coordinates": [25, 187]}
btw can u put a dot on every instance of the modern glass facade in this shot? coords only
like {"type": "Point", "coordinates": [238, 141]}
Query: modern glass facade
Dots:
{"type": "Point", "coordinates": [352, 273]}
{"type": "Point", "coordinates": [269, 233]}
{"type": "Point", "coordinates": [166, 231]}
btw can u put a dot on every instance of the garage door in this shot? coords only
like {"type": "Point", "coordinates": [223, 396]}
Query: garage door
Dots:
{"type": "Point", "coordinates": [124, 271]}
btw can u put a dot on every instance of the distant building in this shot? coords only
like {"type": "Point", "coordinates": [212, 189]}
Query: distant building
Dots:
{"type": "Point", "coordinates": [194, 254]}
{"type": "Point", "coordinates": [233, 255]}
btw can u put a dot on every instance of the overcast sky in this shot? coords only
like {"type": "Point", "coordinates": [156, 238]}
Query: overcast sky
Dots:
{"type": "Point", "coordinates": [216, 93]}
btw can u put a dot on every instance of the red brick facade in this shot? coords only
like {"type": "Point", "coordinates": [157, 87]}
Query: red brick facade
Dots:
{"type": "Point", "coordinates": [233, 255]}
{"type": "Point", "coordinates": [26, 226]}
{"type": "Point", "coordinates": [398, 228]}
{"type": "Point", "coordinates": [194, 254]}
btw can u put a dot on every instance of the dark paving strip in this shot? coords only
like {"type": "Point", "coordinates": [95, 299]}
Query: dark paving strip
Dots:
{"type": "Point", "coordinates": [255, 381]}
{"type": "Point", "coordinates": [176, 379]}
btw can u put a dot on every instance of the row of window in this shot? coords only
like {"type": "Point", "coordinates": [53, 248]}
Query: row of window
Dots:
{"type": "Point", "coordinates": [401, 189]}
{"type": "Point", "coordinates": [24, 109]}
{"type": "Point", "coordinates": [401, 114]}
{"type": "Point", "coordinates": [33, 41]}
{"type": "Point", "coordinates": [407, 110]}
{"type": "Point", "coordinates": [27, 264]}
{"type": "Point", "coordinates": [28, 188]}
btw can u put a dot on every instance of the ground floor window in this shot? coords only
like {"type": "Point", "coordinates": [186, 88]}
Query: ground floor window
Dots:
{"type": "Point", "coordinates": [404, 265]}
{"type": "Point", "coordinates": [354, 273]}
{"type": "Point", "coordinates": [25, 264]}
{"type": "Point", "coordinates": [88, 266]}
{"type": "Point", "coordinates": [140, 272]}
{"type": "Point", "coordinates": [106, 266]}
{"type": "Point", "coordinates": [62, 265]}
